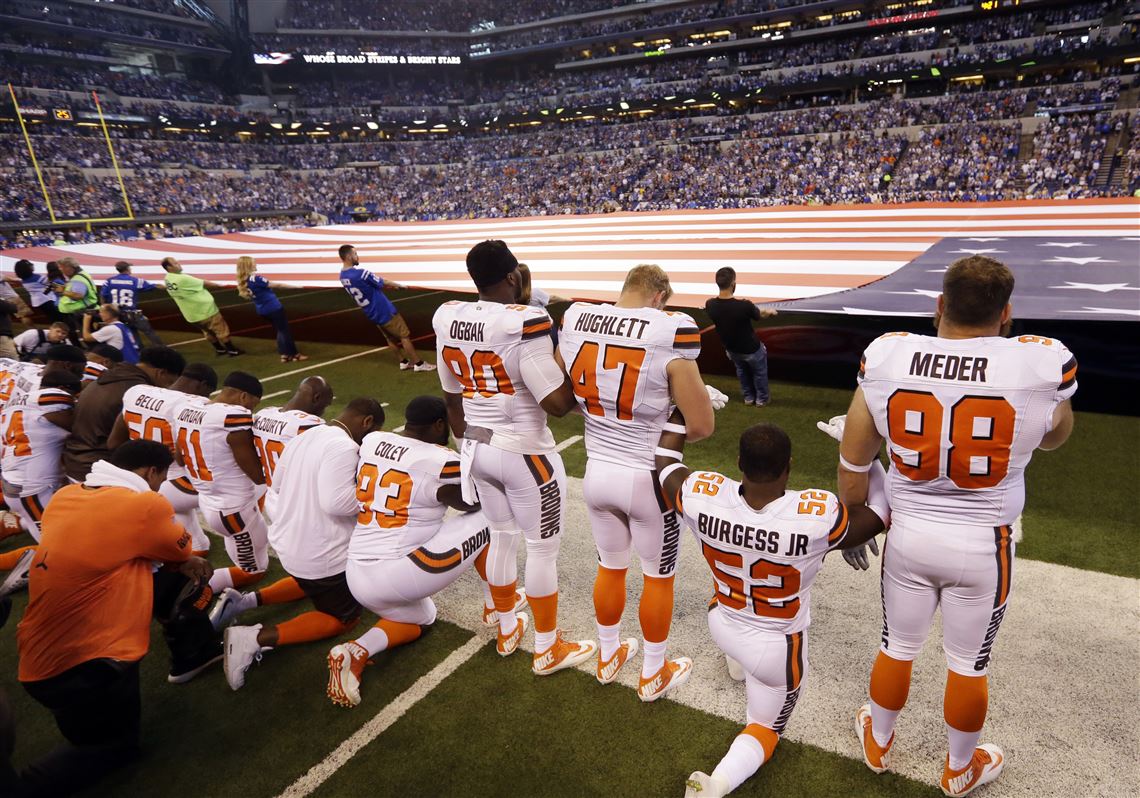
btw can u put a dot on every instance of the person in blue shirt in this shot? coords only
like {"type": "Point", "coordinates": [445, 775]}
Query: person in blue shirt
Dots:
{"type": "Point", "coordinates": [251, 285]}
{"type": "Point", "coordinates": [367, 290]}
{"type": "Point", "coordinates": [122, 290]}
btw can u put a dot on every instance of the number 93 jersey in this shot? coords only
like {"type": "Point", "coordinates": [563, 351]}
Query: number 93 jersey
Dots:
{"type": "Point", "coordinates": [616, 358]}
{"type": "Point", "coordinates": [397, 479]}
{"type": "Point", "coordinates": [501, 359]}
{"type": "Point", "coordinates": [763, 561]}
{"type": "Point", "coordinates": [273, 427]}
{"type": "Point", "coordinates": [961, 418]}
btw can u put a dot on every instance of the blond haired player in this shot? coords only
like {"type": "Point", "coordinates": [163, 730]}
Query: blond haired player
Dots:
{"type": "Point", "coordinates": [961, 414]}
{"type": "Point", "coordinates": [764, 545]}
{"type": "Point", "coordinates": [497, 368]}
{"type": "Point", "coordinates": [628, 363]}
{"type": "Point", "coordinates": [215, 443]}
{"type": "Point", "coordinates": [403, 551]}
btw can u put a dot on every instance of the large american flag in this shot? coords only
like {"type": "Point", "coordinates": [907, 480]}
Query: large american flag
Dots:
{"type": "Point", "coordinates": [780, 253]}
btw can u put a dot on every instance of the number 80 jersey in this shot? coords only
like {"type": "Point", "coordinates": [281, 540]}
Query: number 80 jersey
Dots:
{"type": "Point", "coordinates": [962, 418]}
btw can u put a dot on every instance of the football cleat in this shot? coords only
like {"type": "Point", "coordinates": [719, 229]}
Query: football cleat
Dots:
{"type": "Point", "coordinates": [424, 367]}
{"type": "Point", "coordinates": [346, 665]}
{"type": "Point", "coordinates": [674, 673]}
{"type": "Point", "coordinates": [877, 758]}
{"type": "Point", "coordinates": [735, 669]}
{"type": "Point", "coordinates": [226, 608]}
{"type": "Point", "coordinates": [241, 651]}
{"type": "Point", "coordinates": [10, 524]}
{"type": "Point", "coordinates": [491, 615]}
{"type": "Point", "coordinates": [17, 578]}
{"type": "Point", "coordinates": [702, 785]}
{"type": "Point", "coordinates": [986, 766]}
{"type": "Point", "coordinates": [507, 644]}
{"type": "Point", "coordinates": [608, 671]}
{"type": "Point", "coordinates": [182, 672]}
{"type": "Point", "coordinates": [563, 654]}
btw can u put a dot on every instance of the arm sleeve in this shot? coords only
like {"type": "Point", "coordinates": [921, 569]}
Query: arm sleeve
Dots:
{"type": "Point", "coordinates": [449, 473]}
{"type": "Point", "coordinates": [338, 481]}
{"type": "Point", "coordinates": [105, 292]}
{"type": "Point", "coordinates": [26, 341]}
{"type": "Point", "coordinates": [144, 285]}
{"type": "Point", "coordinates": [753, 311]}
{"type": "Point", "coordinates": [840, 520]}
{"type": "Point", "coordinates": [539, 371]}
{"type": "Point", "coordinates": [1068, 383]}
{"type": "Point", "coordinates": [7, 292]}
{"type": "Point", "coordinates": [160, 536]}
{"type": "Point", "coordinates": [109, 335]}
{"type": "Point", "coordinates": [686, 338]}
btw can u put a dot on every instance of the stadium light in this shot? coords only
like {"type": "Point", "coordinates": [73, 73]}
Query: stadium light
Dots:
{"type": "Point", "coordinates": [623, 105]}
{"type": "Point", "coordinates": [372, 126]}
{"type": "Point", "coordinates": [419, 121]}
{"type": "Point", "coordinates": [275, 125]}
{"type": "Point", "coordinates": [294, 125]}
{"type": "Point", "coordinates": [1132, 59]}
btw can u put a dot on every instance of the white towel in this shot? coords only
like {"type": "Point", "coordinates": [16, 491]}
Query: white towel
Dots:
{"type": "Point", "coordinates": [466, 483]}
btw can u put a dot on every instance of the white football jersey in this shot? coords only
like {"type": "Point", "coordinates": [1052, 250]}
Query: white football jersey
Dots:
{"type": "Point", "coordinates": [961, 418]}
{"type": "Point", "coordinates": [273, 427]}
{"type": "Point", "coordinates": [32, 444]}
{"type": "Point", "coordinates": [148, 412]}
{"type": "Point", "coordinates": [92, 371]}
{"type": "Point", "coordinates": [485, 350]}
{"type": "Point", "coordinates": [616, 358]}
{"type": "Point", "coordinates": [200, 432]}
{"type": "Point", "coordinates": [9, 368]}
{"type": "Point", "coordinates": [397, 482]}
{"type": "Point", "coordinates": [763, 562]}
{"type": "Point", "coordinates": [25, 380]}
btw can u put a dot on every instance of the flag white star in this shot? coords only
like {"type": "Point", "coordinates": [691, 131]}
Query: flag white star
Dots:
{"type": "Point", "coordinates": [978, 251]}
{"type": "Point", "coordinates": [1104, 288]}
{"type": "Point", "coordinates": [983, 239]}
{"type": "Point", "coordinates": [1065, 244]}
{"type": "Point", "coordinates": [919, 291]}
{"type": "Point", "coordinates": [1078, 261]}
{"type": "Point", "coordinates": [1107, 311]}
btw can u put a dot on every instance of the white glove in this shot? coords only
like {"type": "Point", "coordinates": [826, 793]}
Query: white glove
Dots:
{"type": "Point", "coordinates": [857, 557]}
{"type": "Point", "coordinates": [718, 399]}
{"type": "Point", "coordinates": [833, 426]}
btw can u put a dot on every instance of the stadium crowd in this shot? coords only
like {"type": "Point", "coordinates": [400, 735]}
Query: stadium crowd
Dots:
{"type": "Point", "coordinates": [101, 20]}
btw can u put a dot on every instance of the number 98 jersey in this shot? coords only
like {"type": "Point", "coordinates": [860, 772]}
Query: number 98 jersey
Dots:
{"type": "Point", "coordinates": [961, 418]}
{"type": "Point", "coordinates": [273, 427]}
{"type": "Point", "coordinates": [763, 562]}
{"type": "Point", "coordinates": [616, 358]}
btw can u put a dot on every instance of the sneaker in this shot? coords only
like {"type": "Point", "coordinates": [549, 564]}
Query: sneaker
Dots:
{"type": "Point", "coordinates": [749, 402]}
{"type": "Point", "coordinates": [877, 758]}
{"type": "Point", "coordinates": [242, 650]}
{"type": "Point", "coordinates": [608, 671]}
{"type": "Point", "coordinates": [761, 403]}
{"type": "Point", "coordinates": [986, 766]}
{"type": "Point", "coordinates": [674, 673]}
{"type": "Point", "coordinates": [702, 785]}
{"type": "Point", "coordinates": [421, 366]}
{"type": "Point", "coordinates": [346, 664]}
{"type": "Point", "coordinates": [405, 365]}
{"type": "Point", "coordinates": [10, 524]}
{"type": "Point", "coordinates": [735, 669]}
{"type": "Point", "coordinates": [233, 351]}
{"type": "Point", "coordinates": [182, 672]}
{"type": "Point", "coordinates": [17, 578]}
{"type": "Point", "coordinates": [220, 352]}
{"type": "Point", "coordinates": [507, 644]}
{"type": "Point", "coordinates": [226, 608]}
{"type": "Point", "coordinates": [563, 654]}
{"type": "Point", "coordinates": [491, 615]}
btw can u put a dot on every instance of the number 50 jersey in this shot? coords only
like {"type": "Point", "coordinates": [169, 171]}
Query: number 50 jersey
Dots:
{"type": "Point", "coordinates": [961, 418]}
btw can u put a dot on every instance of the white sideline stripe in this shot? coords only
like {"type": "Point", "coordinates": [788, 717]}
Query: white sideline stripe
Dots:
{"type": "Point", "coordinates": [399, 428]}
{"type": "Point", "coordinates": [319, 773]}
{"type": "Point", "coordinates": [566, 444]}
{"type": "Point", "coordinates": [275, 393]}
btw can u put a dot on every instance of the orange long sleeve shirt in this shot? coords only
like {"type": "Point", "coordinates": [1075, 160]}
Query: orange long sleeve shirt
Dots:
{"type": "Point", "coordinates": [91, 589]}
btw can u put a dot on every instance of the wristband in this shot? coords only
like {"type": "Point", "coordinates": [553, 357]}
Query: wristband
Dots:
{"type": "Point", "coordinates": [665, 472]}
{"type": "Point", "coordinates": [672, 454]}
{"type": "Point", "coordinates": [858, 469]}
{"type": "Point", "coordinates": [671, 427]}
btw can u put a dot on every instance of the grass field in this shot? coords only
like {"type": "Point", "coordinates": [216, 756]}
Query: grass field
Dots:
{"type": "Point", "coordinates": [490, 727]}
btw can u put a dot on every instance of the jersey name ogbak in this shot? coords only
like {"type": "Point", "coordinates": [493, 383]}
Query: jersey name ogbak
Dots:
{"type": "Point", "coordinates": [467, 331]}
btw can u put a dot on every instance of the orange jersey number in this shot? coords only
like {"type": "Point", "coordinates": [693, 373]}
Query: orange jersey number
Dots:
{"type": "Point", "coordinates": [981, 433]}
{"type": "Point", "coordinates": [483, 374]}
{"type": "Point", "coordinates": [584, 376]}
{"type": "Point", "coordinates": [190, 451]}
{"type": "Point", "coordinates": [395, 512]}
{"type": "Point", "coordinates": [15, 437]}
{"type": "Point", "coordinates": [768, 600]}
{"type": "Point", "coordinates": [155, 429]}
{"type": "Point", "coordinates": [269, 452]}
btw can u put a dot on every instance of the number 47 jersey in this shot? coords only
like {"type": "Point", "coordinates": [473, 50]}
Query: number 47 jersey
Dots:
{"type": "Point", "coordinates": [962, 418]}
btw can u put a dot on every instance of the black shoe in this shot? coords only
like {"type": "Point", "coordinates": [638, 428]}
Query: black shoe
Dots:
{"type": "Point", "coordinates": [182, 672]}
{"type": "Point", "coordinates": [233, 351]}
{"type": "Point", "coordinates": [220, 352]}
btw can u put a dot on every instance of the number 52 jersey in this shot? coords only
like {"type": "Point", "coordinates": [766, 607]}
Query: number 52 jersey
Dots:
{"type": "Point", "coordinates": [962, 418]}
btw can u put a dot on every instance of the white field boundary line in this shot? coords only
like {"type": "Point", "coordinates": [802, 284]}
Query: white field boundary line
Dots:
{"type": "Point", "coordinates": [320, 773]}
{"type": "Point", "coordinates": [566, 444]}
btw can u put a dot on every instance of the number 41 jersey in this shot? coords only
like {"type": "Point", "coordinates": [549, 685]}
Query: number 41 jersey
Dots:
{"type": "Point", "coordinates": [962, 418]}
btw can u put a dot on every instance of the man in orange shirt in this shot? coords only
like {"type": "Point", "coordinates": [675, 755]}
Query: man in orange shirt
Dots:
{"type": "Point", "coordinates": [92, 592]}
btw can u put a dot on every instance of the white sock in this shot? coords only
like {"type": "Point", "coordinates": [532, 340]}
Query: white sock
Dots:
{"type": "Point", "coordinates": [248, 601]}
{"type": "Point", "coordinates": [488, 599]}
{"type": "Point", "coordinates": [883, 723]}
{"type": "Point", "coordinates": [375, 640]}
{"type": "Point", "coordinates": [544, 640]}
{"type": "Point", "coordinates": [608, 640]}
{"type": "Point", "coordinates": [221, 580]}
{"type": "Point", "coordinates": [962, 745]}
{"type": "Point", "coordinates": [507, 622]}
{"type": "Point", "coordinates": [654, 659]}
{"type": "Point", "coordinates": [744, 757]}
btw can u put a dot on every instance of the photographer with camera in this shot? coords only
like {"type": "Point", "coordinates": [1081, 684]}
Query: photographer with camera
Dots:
{"type": "Point", "coordinates": [113, 331]}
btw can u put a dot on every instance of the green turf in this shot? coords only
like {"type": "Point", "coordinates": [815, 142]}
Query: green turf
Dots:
{"type": "Point", "coordinates": [568, 736]}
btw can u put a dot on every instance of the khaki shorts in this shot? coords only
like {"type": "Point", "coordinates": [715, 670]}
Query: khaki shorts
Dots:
{"type": "Point", "coordinates": [214, 327]}
{"type": "Point", "coordinates": [395, 329]}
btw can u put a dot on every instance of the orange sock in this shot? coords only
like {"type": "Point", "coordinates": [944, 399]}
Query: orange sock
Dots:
{"type": "Point", "coordinates": [399, 634]}
{"type": "Point", "coordinates": [280, 592]}
{"type": "Point", "coordinates": [9, 559]}
{"type": "Point", "coordinates": [310, 626]}
{"type": "Point", "coordinates": [481, 563]}
{"type": "Point", "coordinates": [609, 595]}
{"type": "Point", "coordinates": [656, 610]}
{"type": "Point", "coordinates": [545, 609]}
{"type": "Point", "coordinates": [504, 596]}
{"type": "Point", "coordinates": [242, 578]}
{"type": "Point", "coordinates": [967, 698]}
{"type": "Point", "coordinates": [890, 682]}
{"type": "Point", "coordinates": [763, 735]}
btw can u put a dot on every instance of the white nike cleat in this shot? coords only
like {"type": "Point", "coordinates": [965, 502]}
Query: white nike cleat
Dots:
{"type": "Point", "coordinates": [674, 673]}
{"type": "Point", "coordinates": [508, 644]}
{"type": "Point", "coordinates": [241, 651]}
{"type": "Point", "coordinates": [226, 608]}
{"type": "Point", "coordinates": [735, 669]}
{"type": "Point", "coordinates": [424, 367]}
{"type": "Point", "coordinates": [346, 664]}
{"type": "Point", "coordinates": [876, 757]}
{"type": "Point", "coordinates": [491, 615]}
{"type": "Point", "coordinates": [17, 578]}
{"type": "Point", "coordinates": [608, 670]}
{"type": "Point", "coordinates": [986, 766]}
{"type": "Point", "coordinates": [702, 785]}
{"type": "Point", "coordinates": [563, 654]}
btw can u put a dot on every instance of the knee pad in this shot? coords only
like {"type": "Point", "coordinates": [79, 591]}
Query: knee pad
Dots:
{"type": "Point", "coordinates": [545, 550]}
{"type": "Point", "coordinates": [614, 560]}
{"type": "Point", "coordinates": [502, 557]}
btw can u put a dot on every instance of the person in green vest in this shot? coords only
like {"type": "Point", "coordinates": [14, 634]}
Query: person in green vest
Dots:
{"type": "Point", "coordinates": [76, 296]}
{"type": "Point", "coordinates": [198, 307]}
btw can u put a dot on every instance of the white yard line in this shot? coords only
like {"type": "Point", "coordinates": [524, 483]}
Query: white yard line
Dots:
{"type": "Point", "coordinates": [399, 428]}
{"type": "Point", "coordinates": [320, 773]}
{"type": "Point", "coordinates": [566, 444]}
{"type": "Point", "coordinates": [275, 393]}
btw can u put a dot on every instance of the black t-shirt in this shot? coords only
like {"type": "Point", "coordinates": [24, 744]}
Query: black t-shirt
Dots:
{"type": "Point", "coordinates": [733, 319]}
